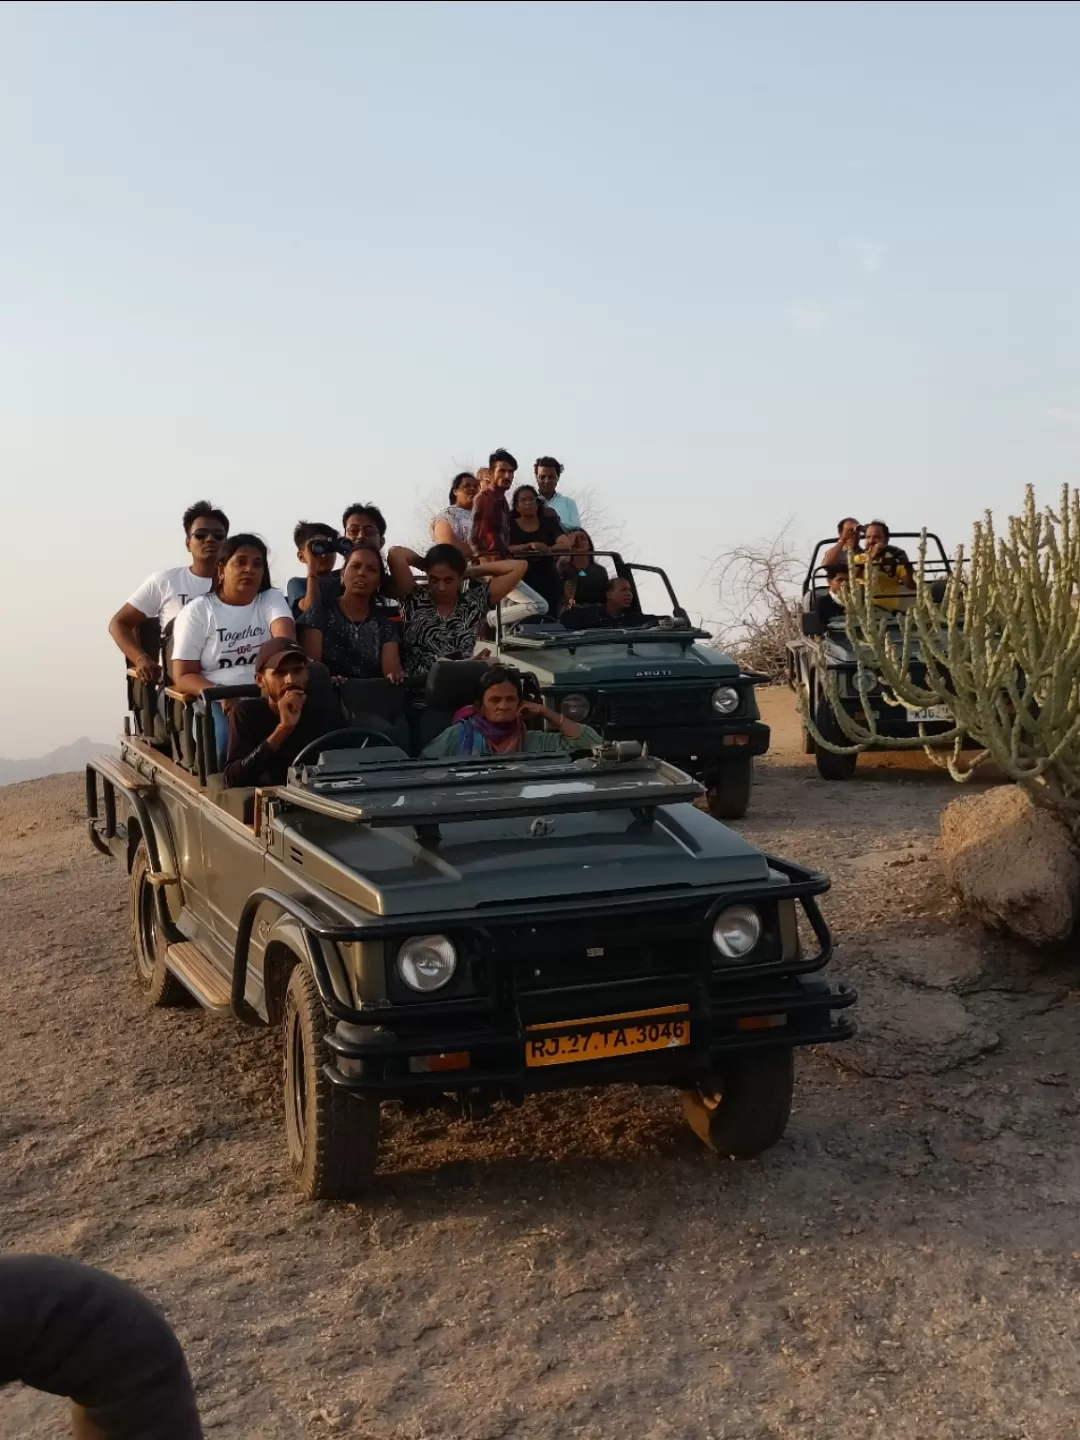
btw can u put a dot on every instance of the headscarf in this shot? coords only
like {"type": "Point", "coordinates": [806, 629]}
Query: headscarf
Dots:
{"type": "Point", "coordinates": [476, 736]}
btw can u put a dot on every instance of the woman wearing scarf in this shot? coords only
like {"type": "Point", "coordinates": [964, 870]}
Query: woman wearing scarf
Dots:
{"type": "Point", "coordinates": [496, 725]}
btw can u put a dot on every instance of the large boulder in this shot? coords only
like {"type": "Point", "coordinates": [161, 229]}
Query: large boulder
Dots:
{"type": "Point", "coordinates": [1013, 864]}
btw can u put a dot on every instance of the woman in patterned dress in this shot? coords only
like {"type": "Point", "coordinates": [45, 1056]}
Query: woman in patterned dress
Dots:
{"type": "Point", "coordinates": [442, 619]}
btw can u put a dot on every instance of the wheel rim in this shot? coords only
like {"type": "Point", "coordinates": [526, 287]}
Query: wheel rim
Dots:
{"type": "Point", "coordinates": [146, 947]}
{"type": "Point", "coordinates": [296, 1089]}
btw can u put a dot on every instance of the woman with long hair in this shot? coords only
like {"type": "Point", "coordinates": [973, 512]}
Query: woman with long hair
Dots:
{"type": "Point", "coordinates": [217, 636]}
{"type": "Point", "coordinates": [534, 531]}
{"type": "Point", "coordinates": [443, 618]}
{"type": "Point", "coordinates": [495, 724]}
{"type": "Point", "coordinates": [350, 633]}
{"type": "Point", "coordinates": [453, 526]}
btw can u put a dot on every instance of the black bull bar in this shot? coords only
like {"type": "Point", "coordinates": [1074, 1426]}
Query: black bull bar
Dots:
{"type": "Point", "coordinates": [373, 1045]}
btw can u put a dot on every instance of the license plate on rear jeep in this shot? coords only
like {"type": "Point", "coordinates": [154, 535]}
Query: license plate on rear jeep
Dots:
{"type": "Point", "coordinates": [932, 712]}
{"type": "Point", "coordinates": [604, 1037]}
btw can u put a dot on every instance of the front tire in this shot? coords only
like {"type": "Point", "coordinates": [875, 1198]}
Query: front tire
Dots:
{"type": "Point", "coordinates": [728, 787]}
{"type": "Point", "coordinates": [332, 1137]}
{"type": "Point", "coordinates": [829, 765]}
{"type": "Point", "coordinates": [747, 1111]}
{"type": "Point", "coordinates": [149, 946]}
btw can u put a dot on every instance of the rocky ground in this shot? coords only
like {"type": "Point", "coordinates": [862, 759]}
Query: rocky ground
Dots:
{"type": "Point", "coordinates": [905, 1264]}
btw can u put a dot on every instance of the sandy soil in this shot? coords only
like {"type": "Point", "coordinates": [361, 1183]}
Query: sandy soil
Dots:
{"type": "Point", "coordinates": [904, 1264]}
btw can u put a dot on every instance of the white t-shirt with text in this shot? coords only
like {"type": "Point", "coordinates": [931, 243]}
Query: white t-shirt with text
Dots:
{"type": "Point", "coordinates": [225, 639]}
{"type": "Point", "coordinates": [164, 595]}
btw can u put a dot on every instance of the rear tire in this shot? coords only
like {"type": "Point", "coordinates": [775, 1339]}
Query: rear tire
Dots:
{"type": "Point", "coordinates": [150, 947]}
{"type": "Point", "coordinates": [332, 1137]}
{"type": "Point", "coordinates": [829, 765]}
{"type": "Point", "coordinates": [747, 1112]}
{"type": "Point", "coordinates": [728, 788]}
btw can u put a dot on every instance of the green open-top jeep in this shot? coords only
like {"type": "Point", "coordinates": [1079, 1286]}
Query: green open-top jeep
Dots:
{"type": "Point", "coordinates": [654, 682]}
{"type": "Point", "coordinates": [824, 653]}
{"type": "Point", "coordinates": [469, 930]}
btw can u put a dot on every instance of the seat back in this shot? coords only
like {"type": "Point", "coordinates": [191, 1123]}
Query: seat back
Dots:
{"type": "Point", "coordinates": [143, 695]}
{"type": "Point", "coordinates": [454, 683]}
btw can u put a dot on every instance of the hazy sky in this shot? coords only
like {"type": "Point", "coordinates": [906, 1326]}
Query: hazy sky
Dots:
{"type": "Point", "coordinates": [734, 264]}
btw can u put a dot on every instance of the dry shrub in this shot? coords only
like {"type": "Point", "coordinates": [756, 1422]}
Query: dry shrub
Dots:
{"type": "Point", "coordinates": [758, 589]}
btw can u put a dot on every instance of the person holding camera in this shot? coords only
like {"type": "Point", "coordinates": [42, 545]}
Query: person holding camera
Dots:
{"type": "Point", "coordinates": [894, 577]}
{"type": "Point", "coordinates": [318, 547]}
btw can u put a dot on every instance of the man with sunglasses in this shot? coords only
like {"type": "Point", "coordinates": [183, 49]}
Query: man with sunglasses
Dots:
{"type": "Point", "coordinates": [164, 594]}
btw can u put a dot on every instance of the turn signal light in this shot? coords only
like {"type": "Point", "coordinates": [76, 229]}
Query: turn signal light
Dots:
{"type": "Point", "coordinates": [760, 1022]}
{"type": "Point", "coordinates": [449, 1060]}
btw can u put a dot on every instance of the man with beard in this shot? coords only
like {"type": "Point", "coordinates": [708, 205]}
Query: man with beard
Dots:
{"type": "Point", "coordinates": [266, 735]}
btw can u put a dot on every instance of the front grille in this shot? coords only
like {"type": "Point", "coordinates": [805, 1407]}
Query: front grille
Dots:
{"type": "Point", "coordinates": [678, 707]}
{"type": "Point", "coordinates": [603, 950]}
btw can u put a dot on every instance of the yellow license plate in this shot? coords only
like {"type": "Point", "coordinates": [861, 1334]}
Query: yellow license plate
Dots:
{"type": "Point", "coordinates": [604, 1037]}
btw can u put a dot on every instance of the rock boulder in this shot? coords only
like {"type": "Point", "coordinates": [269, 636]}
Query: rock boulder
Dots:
{"type": "Point", "coordinates": [1013, 864]}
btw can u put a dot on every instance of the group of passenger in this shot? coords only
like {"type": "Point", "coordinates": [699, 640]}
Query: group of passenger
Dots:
{"type": "Point", "coordinates": [522, 549]}
{"type": "Point", "coordinates": [860, 548]}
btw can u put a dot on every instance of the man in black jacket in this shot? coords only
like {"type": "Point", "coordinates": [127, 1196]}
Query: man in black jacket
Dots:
{"type": "Point", "coordinates": [266, 735]}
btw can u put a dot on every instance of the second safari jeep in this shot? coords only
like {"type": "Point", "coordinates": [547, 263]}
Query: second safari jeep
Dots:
{"type": "Point", "coordinates": [659, 684]}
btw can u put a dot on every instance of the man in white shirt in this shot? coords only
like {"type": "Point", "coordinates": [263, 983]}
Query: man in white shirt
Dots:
{"type": "Point", "coordinates": [164, 594]}
{"type": "Point", "coordinates": [548, 472]}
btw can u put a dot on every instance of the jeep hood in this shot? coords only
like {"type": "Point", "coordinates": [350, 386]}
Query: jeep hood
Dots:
{"type": "Point", "coordinates": [614, 661]}
{"type": "Point", "coordinates": [478, 863]}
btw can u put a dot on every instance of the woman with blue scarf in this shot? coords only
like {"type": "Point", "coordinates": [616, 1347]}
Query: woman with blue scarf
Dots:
{"type": "Point", "coordinates": [496, 725]}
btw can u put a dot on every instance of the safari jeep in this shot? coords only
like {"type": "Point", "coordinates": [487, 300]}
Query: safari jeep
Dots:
{"type": "Point", "coordinates": [467, 931]}
{"type": "Point", "coordinates": [685, 701]}
{"type": "Point", "coordinates": [826, 647]}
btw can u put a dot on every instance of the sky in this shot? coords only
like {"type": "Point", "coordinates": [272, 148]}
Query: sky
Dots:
{"type": "Point", "coordinates": [739, 266]}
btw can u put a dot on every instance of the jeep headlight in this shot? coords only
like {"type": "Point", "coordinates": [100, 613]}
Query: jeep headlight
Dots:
{"type": "Point", "coordinates": [736, 931]}
{"type": "Point", "coordinates": [427, 962]}
{"type": "Point", "coordinates": [867, 680]}
{"type": "Point", "coordinates": [574, 707]}
{"type": "Point", "coordinates": [725, 701]}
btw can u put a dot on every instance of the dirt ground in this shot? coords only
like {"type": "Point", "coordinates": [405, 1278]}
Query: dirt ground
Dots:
{"type": "Point", "coordinates": [905, 1263]}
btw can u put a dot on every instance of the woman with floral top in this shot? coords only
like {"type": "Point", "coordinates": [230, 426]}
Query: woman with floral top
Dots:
{"type": "Point", "coordinates": [442, 619]}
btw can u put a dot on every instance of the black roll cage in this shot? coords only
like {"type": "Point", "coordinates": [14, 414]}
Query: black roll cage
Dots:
{"type": "Point", "coordinates": [938, 566]}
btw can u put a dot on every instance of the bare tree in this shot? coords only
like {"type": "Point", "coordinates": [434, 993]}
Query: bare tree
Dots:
{"type": "Point", "coordinates": [607, 528]}
{"type": "Point", "coordinates": [758, 589]}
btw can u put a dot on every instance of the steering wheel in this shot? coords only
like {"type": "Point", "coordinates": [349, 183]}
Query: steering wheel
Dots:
{"type": "Point", "coordinates": [352, 737]}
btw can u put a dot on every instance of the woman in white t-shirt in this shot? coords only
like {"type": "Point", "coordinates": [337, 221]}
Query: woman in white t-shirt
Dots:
{"type": "Point", "coordinates": [217, 636]}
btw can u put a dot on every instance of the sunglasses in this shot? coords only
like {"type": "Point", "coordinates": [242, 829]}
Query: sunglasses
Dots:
{"type": "Point", "coordinates": [208, 534]}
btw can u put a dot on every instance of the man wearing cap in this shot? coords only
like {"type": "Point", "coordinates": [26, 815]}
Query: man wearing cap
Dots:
{"type": "Point", "coordinates": [266, 735]}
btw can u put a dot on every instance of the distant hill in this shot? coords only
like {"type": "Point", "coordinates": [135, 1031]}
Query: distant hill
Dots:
{"type": "Point", "coordinates": [68, 757]}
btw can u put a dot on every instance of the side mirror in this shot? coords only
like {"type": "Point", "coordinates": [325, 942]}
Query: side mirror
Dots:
{"type": "Point", "coordinates": [812, 624]}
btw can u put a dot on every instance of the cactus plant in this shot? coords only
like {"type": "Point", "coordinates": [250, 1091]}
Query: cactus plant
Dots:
{"type": "Point", "coordinates": [1000, 648]}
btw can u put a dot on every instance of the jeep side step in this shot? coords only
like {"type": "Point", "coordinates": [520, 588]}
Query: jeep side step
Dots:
{"type": "Point", "coordinates": [197, 974]}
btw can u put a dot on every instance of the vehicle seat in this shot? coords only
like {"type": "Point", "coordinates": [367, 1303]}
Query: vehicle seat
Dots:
{"type": "Point", "coordinates": [819, 601]}
{"type": "Point", "coordinates": [143, 695]}
{"type": "Point", "coordinates": [450, 685]}
{"type": "Point", "coordinates": [362, 699]}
